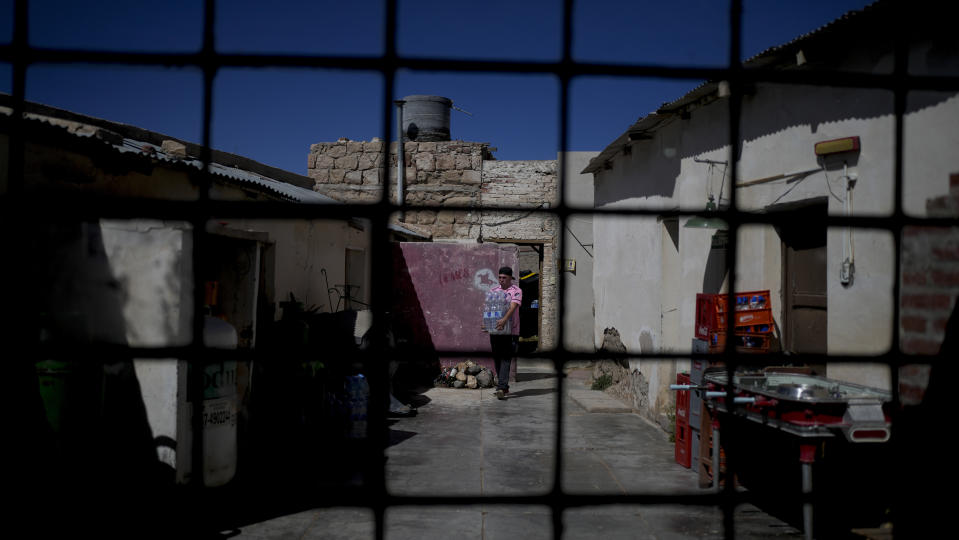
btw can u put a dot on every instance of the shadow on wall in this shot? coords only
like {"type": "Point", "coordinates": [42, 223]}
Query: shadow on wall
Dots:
{"type": "Point", "coordinates": [417, 354]}
{"type": "Point", "coordinates": [88, 457]}
{"type": "Point", "coordinates": [768, 110]}
{"type": "Point", "coordinates": [714, 275]}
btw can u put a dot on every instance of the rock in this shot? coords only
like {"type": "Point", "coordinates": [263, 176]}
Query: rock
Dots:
{"type": "Point", "coordinates": [174, 149]}
{"type": "Point", "coordinates": [613, 343]}
{"type": "Point", "coordinates": [471, 381]}
{"type": "Point", "coordinates": [484, 378]}
{"type": "Point", "coordinates": [458, 384]}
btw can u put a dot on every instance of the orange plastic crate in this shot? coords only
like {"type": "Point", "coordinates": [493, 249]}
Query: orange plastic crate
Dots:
{"type": "Point", "coordinates": [752, 309]}
{"type": "Point", "coordinates": [742, 342]}
{"type": "Point", "coordinates": [753, 317]}
{"type": "Point", "coordinates": [756, 343]}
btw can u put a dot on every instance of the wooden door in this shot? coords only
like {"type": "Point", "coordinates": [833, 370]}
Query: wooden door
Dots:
{"type": "Point", "coordinates": [804, 285]}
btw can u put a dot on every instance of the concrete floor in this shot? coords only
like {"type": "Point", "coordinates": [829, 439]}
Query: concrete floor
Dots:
{"type": "Point", "coordinates": [468, 443]}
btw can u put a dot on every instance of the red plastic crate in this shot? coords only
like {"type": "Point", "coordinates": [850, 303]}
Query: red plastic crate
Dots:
{"type": "Point", "coordinates": [710, 314]}
{"type": "Point", "coordinates": [682, 398]}
{"type": "Point", "coordinates": [684, 444]}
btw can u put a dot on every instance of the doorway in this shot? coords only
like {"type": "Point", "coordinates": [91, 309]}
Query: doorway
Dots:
{"type": "Point", "coordinates": [528, 280]}
{"type": "Point", "coordinates": [804, 282]}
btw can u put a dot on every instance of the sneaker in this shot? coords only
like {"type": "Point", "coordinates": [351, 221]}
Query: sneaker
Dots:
{"type": "Point", "coordinates": [500, 394]}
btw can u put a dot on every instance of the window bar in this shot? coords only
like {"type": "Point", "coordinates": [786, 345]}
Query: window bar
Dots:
{"type": "Point", "coordinates": [209, 61]}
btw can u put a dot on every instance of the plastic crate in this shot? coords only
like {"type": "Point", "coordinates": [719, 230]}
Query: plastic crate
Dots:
{"type": "Point", "coordinates": [742, 342]}
{"type": "Point", "coordinates": [683, 451]}
{"type": "Point", "coordinates": [710, 314]}
{"type": "Point", "coordinates": [682, 398]}
{"type": "Point", "coordinates": [752, 317]}
{"type": "Point", "coordinates": [752, 300]}
{"type": "Point", "coordinates": [752, 342]}
{"type": "Point", "coordinates": [752, 308]}
{"type": "Point", "coordinates": [756, 329]}
{"type": "Point", "coordinates": [717, 342]}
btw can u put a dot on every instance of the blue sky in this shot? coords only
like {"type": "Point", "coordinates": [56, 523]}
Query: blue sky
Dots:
{"type": "Point", "coordinates": [273, 115]}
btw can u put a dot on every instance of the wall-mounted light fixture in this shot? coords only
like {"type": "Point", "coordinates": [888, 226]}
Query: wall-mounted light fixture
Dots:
{"type": "Point", "coordinates": [707, 221]}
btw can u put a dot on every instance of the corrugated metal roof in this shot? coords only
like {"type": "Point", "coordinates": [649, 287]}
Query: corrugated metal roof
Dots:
{"type": "Point", "coordinates": [131, 146]}
{"type": "Point", "coordinates": [807, 35]}
{"type": "Point", "coordinates": [404, 230]}
{"type": "Point", "coordinates": [282, 189]}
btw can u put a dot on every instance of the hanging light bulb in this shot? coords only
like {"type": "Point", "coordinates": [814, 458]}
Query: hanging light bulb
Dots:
{"type": "Point", "coordinates": [706, 222]}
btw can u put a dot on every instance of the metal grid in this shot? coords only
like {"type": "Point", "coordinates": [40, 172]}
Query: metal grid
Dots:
{"type": "Point", "coordinates": [375, 495]}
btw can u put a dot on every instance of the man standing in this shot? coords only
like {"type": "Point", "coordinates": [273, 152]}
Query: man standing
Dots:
{"type": "Point", "coordinates": [504, 345]}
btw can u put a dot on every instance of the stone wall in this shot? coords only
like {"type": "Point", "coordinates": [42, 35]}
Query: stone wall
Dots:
{"type": "Point", "coordinates": [533, 185]}
{"type": "Point", "coordinates": [453, 174]}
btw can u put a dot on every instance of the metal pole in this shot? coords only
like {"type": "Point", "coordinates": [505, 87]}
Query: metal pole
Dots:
{"type": "Point", "coordinates": [400, 157]}
{"type": "Point", "coordinates": [807, 453]}
{"type": "Point", "coordinates": [716, 455]}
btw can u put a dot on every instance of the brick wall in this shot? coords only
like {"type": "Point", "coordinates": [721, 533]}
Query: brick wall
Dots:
{"type": "Point", "coordinates": [928, 289]}
{"type": "Point", "coordinates": [452, 173]}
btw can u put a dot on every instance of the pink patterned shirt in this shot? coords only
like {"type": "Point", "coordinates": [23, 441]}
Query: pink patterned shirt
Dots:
{"type": "Point", "coordinates": [515, 297]}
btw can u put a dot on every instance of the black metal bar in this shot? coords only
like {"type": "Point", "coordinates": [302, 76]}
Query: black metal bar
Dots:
{"type": "Point", "coordinates": [374, 494]}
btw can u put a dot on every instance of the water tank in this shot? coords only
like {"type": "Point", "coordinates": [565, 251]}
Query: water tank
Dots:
{"type": "Point", "coordinates": [426, 118]}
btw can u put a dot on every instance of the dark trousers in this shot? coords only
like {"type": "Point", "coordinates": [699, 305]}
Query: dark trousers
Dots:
{"type": "Point", "coordinates": [504, 348]}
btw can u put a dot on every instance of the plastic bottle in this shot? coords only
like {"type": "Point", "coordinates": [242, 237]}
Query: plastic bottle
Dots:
{"type": "Point", "coordinates": [358, 394]}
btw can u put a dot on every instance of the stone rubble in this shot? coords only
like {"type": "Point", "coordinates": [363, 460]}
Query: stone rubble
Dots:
{"type": "Point", "coordinates": [466, 374]}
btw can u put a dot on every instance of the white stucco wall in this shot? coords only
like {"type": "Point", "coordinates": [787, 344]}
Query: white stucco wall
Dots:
{"type": "Point", "coordinates": [303, 248]}
{"type": "Point", "coordinates": [151, 275]}
{"type": "Point", "coordinates": [578, 192]}
{"type": "Point", "coordinates": [780, 126]}
{"type": "Point", "coordinates": [146, 259]}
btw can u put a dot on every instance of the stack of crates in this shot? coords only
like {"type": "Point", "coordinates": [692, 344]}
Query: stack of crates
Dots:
{"type": "Point", "coordinates": [752, 319]}
{"type": "Point", "coordinates": [683, 450]}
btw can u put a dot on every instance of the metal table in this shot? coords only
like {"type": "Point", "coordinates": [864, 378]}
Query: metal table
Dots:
{"type": "Point", "coordinates": [841, 425]}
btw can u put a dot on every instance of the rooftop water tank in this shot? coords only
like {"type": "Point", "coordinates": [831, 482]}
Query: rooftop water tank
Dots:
{"type": "Point", "coordinates": [426, 118]}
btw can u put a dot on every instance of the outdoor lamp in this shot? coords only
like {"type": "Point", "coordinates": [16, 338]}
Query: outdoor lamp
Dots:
{"type": "Point", "coordinates": [701, 222]}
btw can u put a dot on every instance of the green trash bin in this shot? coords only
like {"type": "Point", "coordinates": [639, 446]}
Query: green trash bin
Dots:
{"type": "Point", "coordinates": [57, 380]}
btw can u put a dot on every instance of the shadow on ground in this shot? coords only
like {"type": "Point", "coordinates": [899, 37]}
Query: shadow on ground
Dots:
{"type": "Point", "coordinates": [531, 392]}
{"type": "Point", "coordinates": [524, 377]}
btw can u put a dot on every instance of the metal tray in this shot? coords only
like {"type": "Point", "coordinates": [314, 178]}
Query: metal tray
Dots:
{"type": "Point", "coordinates": [799, 387]}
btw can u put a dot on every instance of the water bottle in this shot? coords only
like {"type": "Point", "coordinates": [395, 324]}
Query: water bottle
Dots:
{"type": "Point", "coordinates": [358, 395]}
{"type": "Point", "coordinates": [488, 323]}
